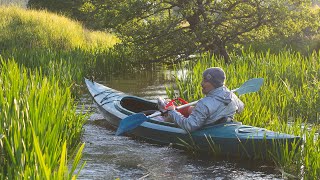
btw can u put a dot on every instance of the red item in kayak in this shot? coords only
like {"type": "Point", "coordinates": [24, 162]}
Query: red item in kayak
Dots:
{"type": "Point", "coordinates": [183, 111]}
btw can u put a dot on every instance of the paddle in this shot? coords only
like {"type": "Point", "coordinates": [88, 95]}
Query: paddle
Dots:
{"type": "Point", "coordinates": [135, 120]}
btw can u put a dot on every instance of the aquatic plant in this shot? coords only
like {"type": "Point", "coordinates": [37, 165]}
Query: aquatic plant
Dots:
{"type": "Point", "coordinates": [39, 125]}
{"type": "Point", "coordinates": [288, 102]}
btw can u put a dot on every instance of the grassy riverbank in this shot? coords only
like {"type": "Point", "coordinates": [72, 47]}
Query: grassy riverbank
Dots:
{"type": "Point", "coordinates": [289, 100]}
{"type": "Point", "coordinates": [40, 29]}
{"type": "Point", "coordinates": [54, 43]}
{"type": "Point", "coordinates": [43, 58]}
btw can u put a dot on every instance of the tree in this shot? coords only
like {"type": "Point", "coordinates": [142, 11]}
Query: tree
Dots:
{"type": "Point", "coordinates": [159, 30]}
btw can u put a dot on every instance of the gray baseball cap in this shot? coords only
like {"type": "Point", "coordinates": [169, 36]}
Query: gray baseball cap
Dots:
{"type": "Point", "coordinates": [215, 76]}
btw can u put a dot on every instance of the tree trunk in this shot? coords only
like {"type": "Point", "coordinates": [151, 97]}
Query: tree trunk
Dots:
{"type": "Point", "coordinates": [221, 50]}
{"type": "Point", "coordinates": [224, 54]}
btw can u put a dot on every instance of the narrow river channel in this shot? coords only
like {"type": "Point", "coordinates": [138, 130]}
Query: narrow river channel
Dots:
{"type": "Point", "coordinates": [110, 157]}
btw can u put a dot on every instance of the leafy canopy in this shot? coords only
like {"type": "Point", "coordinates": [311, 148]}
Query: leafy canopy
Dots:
{"type": "Point", "coordinates": [175, 29]}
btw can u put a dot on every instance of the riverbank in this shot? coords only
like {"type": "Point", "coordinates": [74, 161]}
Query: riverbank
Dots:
{"type": "Point", "coordinates": [44, 58]}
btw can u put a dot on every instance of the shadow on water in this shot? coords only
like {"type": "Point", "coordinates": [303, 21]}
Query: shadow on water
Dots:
{"type": "Point", "coordinates": [109, 157]}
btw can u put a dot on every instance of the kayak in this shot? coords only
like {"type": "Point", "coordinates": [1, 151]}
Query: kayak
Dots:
{"type": "Point", "coordinates": [225, 138]}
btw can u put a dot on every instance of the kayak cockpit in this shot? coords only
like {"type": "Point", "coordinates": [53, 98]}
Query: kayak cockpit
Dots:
{"type": "Point", "coordinates": [132, 104]}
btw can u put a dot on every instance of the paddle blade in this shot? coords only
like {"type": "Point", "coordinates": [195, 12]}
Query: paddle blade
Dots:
{"type": "Point", "coordinates": [252, 85]}
{"type": "Point", "coordinates": [131, 122]}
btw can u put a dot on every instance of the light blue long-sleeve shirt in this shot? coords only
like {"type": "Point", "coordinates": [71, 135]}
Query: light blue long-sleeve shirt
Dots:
{"type": "Point", "coordinates": [218, 103]}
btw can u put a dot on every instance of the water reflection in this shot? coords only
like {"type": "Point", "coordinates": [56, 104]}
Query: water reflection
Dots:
{"type": "Point", "coordinates": [145, 83]}
{"type": "Point", "coordinates": [110, 157]}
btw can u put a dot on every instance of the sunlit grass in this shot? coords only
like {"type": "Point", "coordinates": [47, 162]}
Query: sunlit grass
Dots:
{"type": "Point", "coordinates": [288, 102]}
{"type": "Point", "coordinates": [55, 43]}
{"type": "Point", "coordinates": [38, 124]}
{"type": "Point", "coordinates": [100, 40]}
{"type": "Point", "coordinates": [40, 29]}
{"type": "Point", "coordinates": [60, 46]}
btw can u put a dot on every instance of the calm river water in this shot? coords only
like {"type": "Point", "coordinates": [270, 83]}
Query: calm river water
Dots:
{"type": "Point", "coordinates": [110, 157]}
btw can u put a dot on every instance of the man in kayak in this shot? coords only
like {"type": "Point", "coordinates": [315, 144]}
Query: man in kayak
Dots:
{"type": "Point", "coordinates": [219, 105]}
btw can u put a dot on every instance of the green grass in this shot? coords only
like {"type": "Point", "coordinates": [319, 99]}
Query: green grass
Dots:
{"type": "Point", "coordinates": [38, 123]}
{"type": "Point", "coordinates": [40, 29]}
{"type": "Point", "coordinates": [44, 58]}
{"type": "Point", "coordinates": [60, 46]}
{"type": "Point", "coordinates": [288, 102]}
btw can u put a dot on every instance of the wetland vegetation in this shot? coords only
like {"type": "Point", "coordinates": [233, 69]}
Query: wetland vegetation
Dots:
{"type": "Point", "coordinates": [42, 63]}
{"type": "Point", "coordinates": [44, 57]}
{"type": "Point", "coordinates": [289, 100]}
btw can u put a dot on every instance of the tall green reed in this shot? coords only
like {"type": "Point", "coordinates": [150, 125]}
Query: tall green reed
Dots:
{"type": "Point", "coordinates": [51, 55]}
{"type": "Point", "coordinates": [289, 100]}
{"type": "Point", "coordinates": [38, 124]}
{"type": "Point", "coordinates": [291, 86]}
{"type": "Point", "coordinates": [69, 66]}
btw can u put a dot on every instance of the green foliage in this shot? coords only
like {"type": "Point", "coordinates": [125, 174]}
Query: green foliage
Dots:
{"type": "Point", "coordinates": [293, 80]}
{"type": "Point", "coordinates": [175, 29]}
{"type": "Point", "coordinates": [70, 66]}
{"type": "Point", "coordinates": [65, 7]}
{"type": "Point", "coordinates": [38, 123]}
{"type": "Point", "coordinates": [288, 101]}
{"type": "Point", "coordinates": [39, 126]}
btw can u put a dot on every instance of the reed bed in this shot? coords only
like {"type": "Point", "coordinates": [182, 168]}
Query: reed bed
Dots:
{"type": "Point", "coordinates": [44, 58]}
{"type": "Point", "coordinates": [39, 127]}
{"type": "Point", "coordinates": [289, 100]}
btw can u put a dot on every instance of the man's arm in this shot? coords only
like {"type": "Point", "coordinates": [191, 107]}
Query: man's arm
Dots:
{"type": "Point", "coordinates": [195, 120]}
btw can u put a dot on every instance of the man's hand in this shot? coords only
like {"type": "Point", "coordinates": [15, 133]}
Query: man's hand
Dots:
{"type": "Point", "coordinates": [170, 108]}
